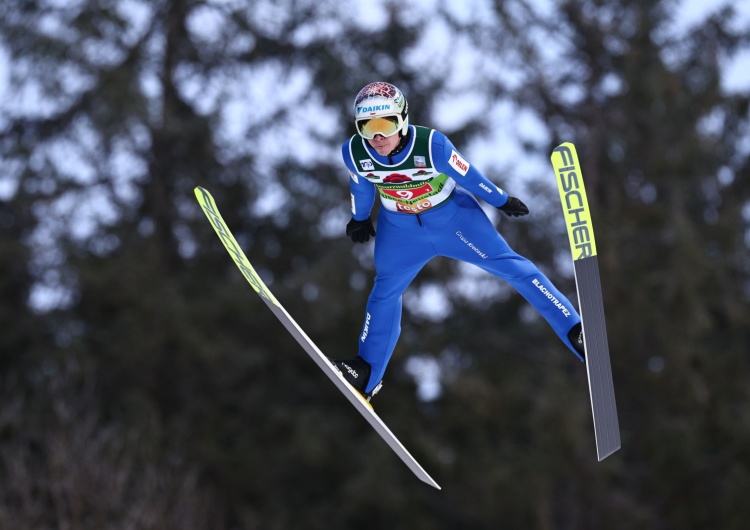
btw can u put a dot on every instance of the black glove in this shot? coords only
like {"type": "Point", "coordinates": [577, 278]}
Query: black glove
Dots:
{"type": "Point", "coordinates": [360, 231]}
{"type": "Point", "coordinates": [514, 207]}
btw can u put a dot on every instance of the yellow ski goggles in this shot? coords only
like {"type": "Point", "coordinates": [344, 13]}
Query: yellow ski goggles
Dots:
{"type": "Point", "coordinates": [383, 125]}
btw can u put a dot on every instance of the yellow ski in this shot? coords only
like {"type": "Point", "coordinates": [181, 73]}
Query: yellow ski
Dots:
{"type": "Point", "coordinates": [580, 229]}
{"type": "Point", "coordinates": [360, 403]}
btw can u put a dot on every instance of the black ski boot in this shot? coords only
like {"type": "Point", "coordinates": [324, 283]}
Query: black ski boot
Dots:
{"type": "Point", "coordinates": [575, 336]}
{"type": "Point", "coordinates": [357, 373]}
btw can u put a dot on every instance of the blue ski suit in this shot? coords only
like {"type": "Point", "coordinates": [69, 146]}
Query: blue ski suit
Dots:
{"type": "Point", "coordinates": [425, 214]}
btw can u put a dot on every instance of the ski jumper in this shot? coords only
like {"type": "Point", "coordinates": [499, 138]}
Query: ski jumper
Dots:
{"type": "Point", "coordinates": [425, 214]}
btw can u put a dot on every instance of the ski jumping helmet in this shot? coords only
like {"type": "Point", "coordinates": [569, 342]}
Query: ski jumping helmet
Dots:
{"type": "Point", "coordinates": [381, 108]}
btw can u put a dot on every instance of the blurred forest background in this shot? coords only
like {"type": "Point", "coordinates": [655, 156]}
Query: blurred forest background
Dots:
{"type": "Point", "coordinates": [144, 385]}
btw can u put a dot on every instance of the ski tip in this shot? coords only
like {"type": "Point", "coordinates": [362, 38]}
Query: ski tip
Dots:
{"type": "Point", "coordinates": [201, 193]}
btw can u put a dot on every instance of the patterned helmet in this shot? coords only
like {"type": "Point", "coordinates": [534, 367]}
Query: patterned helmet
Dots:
{"type": "Point", "coordinates": [381, 108]}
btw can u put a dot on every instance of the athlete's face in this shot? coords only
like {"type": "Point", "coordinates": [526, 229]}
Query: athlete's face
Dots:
{"type": "Point", "coordinates": [384, 145]}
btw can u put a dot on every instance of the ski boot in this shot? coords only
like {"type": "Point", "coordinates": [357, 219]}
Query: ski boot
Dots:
{"type": "Point", "coordinates": [575, 336]}
{"type": "Point", "coordinates": [357, 373]}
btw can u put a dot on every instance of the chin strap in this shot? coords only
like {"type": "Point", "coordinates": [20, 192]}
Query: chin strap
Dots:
{"type": "Point", "coordinates": [401, 144]}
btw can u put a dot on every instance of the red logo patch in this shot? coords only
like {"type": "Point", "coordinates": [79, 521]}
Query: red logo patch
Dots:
{"type": "Point", "coordinates": [461, 166]}
{"type": "Point", "coordinates": [396, 178]}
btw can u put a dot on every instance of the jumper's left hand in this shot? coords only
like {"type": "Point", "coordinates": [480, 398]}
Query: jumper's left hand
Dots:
{"type": "Point", "coordinates": [514, 207]}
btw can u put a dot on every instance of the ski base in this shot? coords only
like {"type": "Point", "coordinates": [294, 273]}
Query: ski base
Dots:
{"type": "Point", "coordinates": [598, 368]}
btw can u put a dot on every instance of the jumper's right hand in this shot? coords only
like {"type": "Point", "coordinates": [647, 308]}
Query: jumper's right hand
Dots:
{"type": "Point", "coordinates": [514, 207]}
{"type": "Point", "coordinates": [360, 231]}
